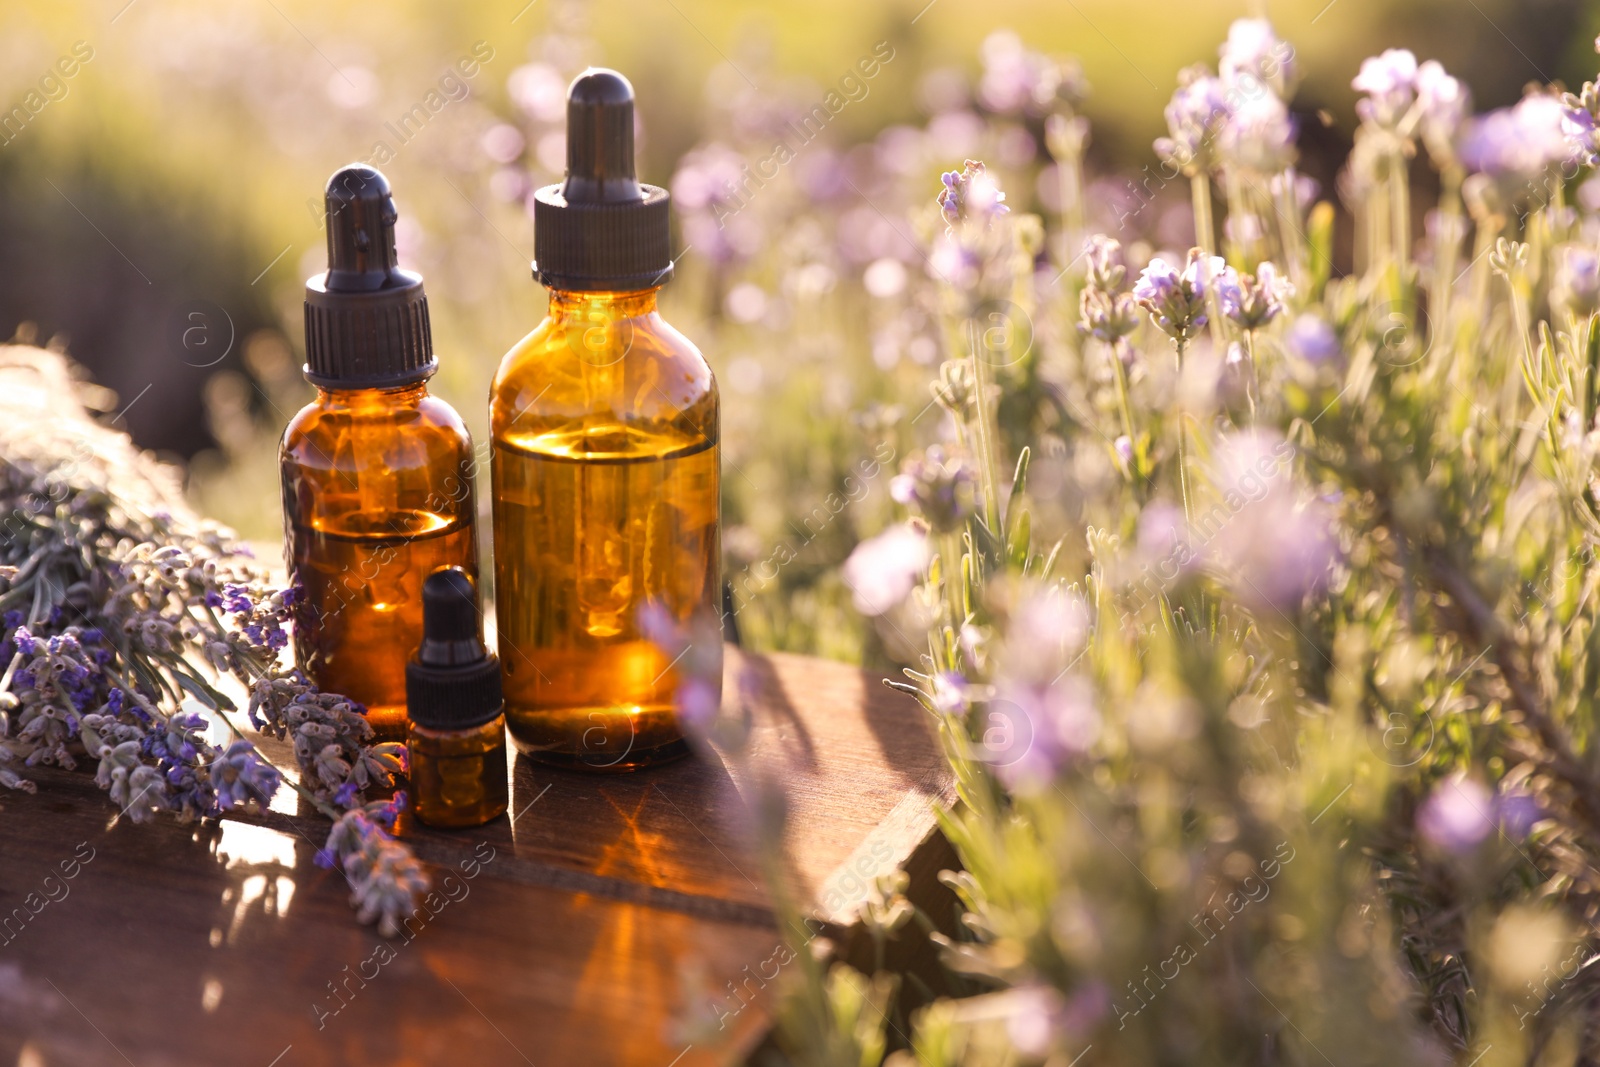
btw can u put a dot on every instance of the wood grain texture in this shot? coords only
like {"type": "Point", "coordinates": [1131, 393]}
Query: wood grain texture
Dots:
{"type": "Point", "coordinates": [224, 944]}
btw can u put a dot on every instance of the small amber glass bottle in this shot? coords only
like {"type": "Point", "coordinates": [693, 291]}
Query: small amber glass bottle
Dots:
{"type": "Point", "coordinates": [377, 474]}
{"type": "Point", "coordinates": [605, 468]}
{"type": "Point", "coordinates": [457, 738]}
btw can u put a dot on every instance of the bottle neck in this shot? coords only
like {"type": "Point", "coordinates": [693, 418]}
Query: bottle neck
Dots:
{"type": "Point", "coordinates": [408, 395]}
{"type": "Point", "coordinates": [585, 306]}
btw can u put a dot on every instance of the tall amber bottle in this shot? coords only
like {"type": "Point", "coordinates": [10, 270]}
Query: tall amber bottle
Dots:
{"type": "Point", "coordinates": [605, 469]}
{"type": "Point", "coordinates": [377, 474]}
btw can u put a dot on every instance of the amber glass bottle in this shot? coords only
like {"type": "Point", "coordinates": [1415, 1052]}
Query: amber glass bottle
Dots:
{"type": "Point", "coordinates": [457, 739]}
{"type": "Point", "coordinates": [605, 467]}
{"type": "Point", "coordinates": [377, 474]}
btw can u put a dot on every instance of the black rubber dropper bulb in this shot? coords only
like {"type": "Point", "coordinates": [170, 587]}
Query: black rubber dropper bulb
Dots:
{"type": "Point", "coordinates": [366, 319]}
{"type": "Point", "coordinates": [449, 621]}
{"type": "Point", "coordinates": [453, 681]}
{"type": "Point", "coordinates": [601, 229]}
{"type": "Point", "coordinates": [361, 217]}
{"type": "Point", "coordinates": [600, 141]}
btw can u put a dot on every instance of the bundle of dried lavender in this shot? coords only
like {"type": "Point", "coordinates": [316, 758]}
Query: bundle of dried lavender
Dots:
{"type": "Point", "coordinates": [119, 606]}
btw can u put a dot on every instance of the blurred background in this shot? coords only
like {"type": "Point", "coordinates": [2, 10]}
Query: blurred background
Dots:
{"type": "Point", "coordinates": [160, 205]}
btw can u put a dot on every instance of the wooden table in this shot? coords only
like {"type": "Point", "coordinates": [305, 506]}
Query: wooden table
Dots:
{"type": "Point", "coordinates": [224, 944]}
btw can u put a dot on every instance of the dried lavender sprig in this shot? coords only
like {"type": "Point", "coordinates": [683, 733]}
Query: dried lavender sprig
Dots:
{"type": "Point", "coordinates": [112, 593]}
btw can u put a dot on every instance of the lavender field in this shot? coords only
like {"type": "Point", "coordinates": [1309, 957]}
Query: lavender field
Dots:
{"type": "Point", "coordinates": [1212, 452]}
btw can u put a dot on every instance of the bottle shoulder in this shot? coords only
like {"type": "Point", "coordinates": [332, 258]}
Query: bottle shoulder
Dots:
{"type": "Point", "coordinates": [634, 379]}
{"type": "Point", "coordinates": [419, 429]}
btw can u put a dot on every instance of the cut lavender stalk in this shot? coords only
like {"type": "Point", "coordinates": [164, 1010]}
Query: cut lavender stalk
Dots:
{"type": "Point", "coordinates": [119, 606]}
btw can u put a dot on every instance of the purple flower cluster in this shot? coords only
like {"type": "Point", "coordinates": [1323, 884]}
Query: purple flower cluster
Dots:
{"type": "Point", "coordinates": [882, 570]}
{"type": "Point", "coordinates": [1520, 143]}
{"type": "Point", "coordinates": [1460, 813]}
{"type": "Point", "coordinates": [1017, 79]}
{"type": "Point", "coordinates": [1274, 546]}
{"type": "Point", "coordinates": [1195, 116]}
{"type": "Point", "coordinates": [970, 194]}
{"type": "Point", "coordinates": [939, 486]}
{"type": "Point", "coordinates": [1105, 311]}
{"type": "Point", "coordinates": [385, 878]}
{"type": "Point", "coordinates": [1251, 302]}
{"type": "Point", "coordinates": [1237, 117]}
{"type": "Point", "coordinates": [1176, 299]}
{"type": "Point", "coordinates": [1390, 84]}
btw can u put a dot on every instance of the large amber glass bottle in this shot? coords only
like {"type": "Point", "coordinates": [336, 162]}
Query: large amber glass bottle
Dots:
{"type": "Point", "coordinates": [605, 470]}
{"type": "Point", "coordinates": [376, 473]}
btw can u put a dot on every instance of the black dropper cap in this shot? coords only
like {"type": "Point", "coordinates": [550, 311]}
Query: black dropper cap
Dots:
{"type": "Point", "coordinates": [601, 228]}
{"type": "Point", "coordinates": [366, 319]}
{"type": "Point", "coordinates": [453, 682]}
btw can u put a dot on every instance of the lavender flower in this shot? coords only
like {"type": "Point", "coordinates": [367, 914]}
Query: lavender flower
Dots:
{"type": "Point", "coordinates": [956, 388]}
{"type": "Point", "coordinates": [385, 878]}
{"type": "Point", "coordinates": [1457, 815]}
{"type": "Point", "coordinates": [1272, 545]}
{"type": "Point", "coordinates": [1176, 300]}
{"type": "Point", "coordinates": [1106, 267]}
{"type": "Point", "coordinates": [1196, 113]}
{"type": "Point", "coordinates": [1581, 123]}
{"type": "Point", "coordinates": [1034, 729]}
{"type": "Point", "coordinates": [1312, 341]}
{"type": "Point", "coordinates": [1254, 60]}
{"type": "Point", "coordinates": [133, 598]}
{"type": "Point", "coordinates": [1577, 278]}
{"type": "Point", "coordinates": [1108, 317]}
{"type": "Point", "coordinates": [1390, 84]}
{"type": "Point", "coordinates": [937, 485]}
{"type": "Point", "coordinates": [882, 570]}
{"type": "Point", "coordinates": [970, 194]}
{"type": "Point", "coordinates": [1519, 143]}
{"type": "Point", "coordinates": [242, 778]}
{"type": "Point", "coordinates": [1253, 301]}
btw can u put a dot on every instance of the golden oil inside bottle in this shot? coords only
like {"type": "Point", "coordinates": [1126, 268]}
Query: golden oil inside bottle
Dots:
{"type": "Point", "coordinates": [590, 526]}
{"type": "Point", "coordinates": [458, 777]}
{"type": "Point", "coordinates": [360, 607]}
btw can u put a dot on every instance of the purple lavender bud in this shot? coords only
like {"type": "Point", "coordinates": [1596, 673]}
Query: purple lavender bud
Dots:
{"type": "Point", "coordinates": [1253, 301]}
{"type": "Point", "coordinates": [939, 486]}
{"type": "Point", "coordinates": [1577, 278]}
{"type": "Point", "coordinates": [1196, 113]}
{"type": "Point", "coordinates": [26, 643]}
{"type": "Point", "coordinates": [1521, 142]}
{"type": "Point", "coordinates": [1176, 301]}
{"type": "Point", "coordinates": [1518, 812]}
{"type": "Point", "coordinates": [1312, 341]}
{"type": "Point", "coordinates": [1457, 815]}
{"type": "Point", "coordinates": [1389, 81]}
{"type": "Point", "coordinates": [1035, 729]}
{"type": "Point", "coordinates": [882, 570]}
{"type": "Point", "coordinates": [1106, 267]}
{"type": "Point", "coordinates": [1254, 59]}
{"type": "Point", "coordinates": [971, 194]}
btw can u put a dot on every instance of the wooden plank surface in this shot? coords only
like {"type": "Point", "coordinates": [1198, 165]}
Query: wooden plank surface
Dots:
{"type": "Point", "coordinates": [224, 944]}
